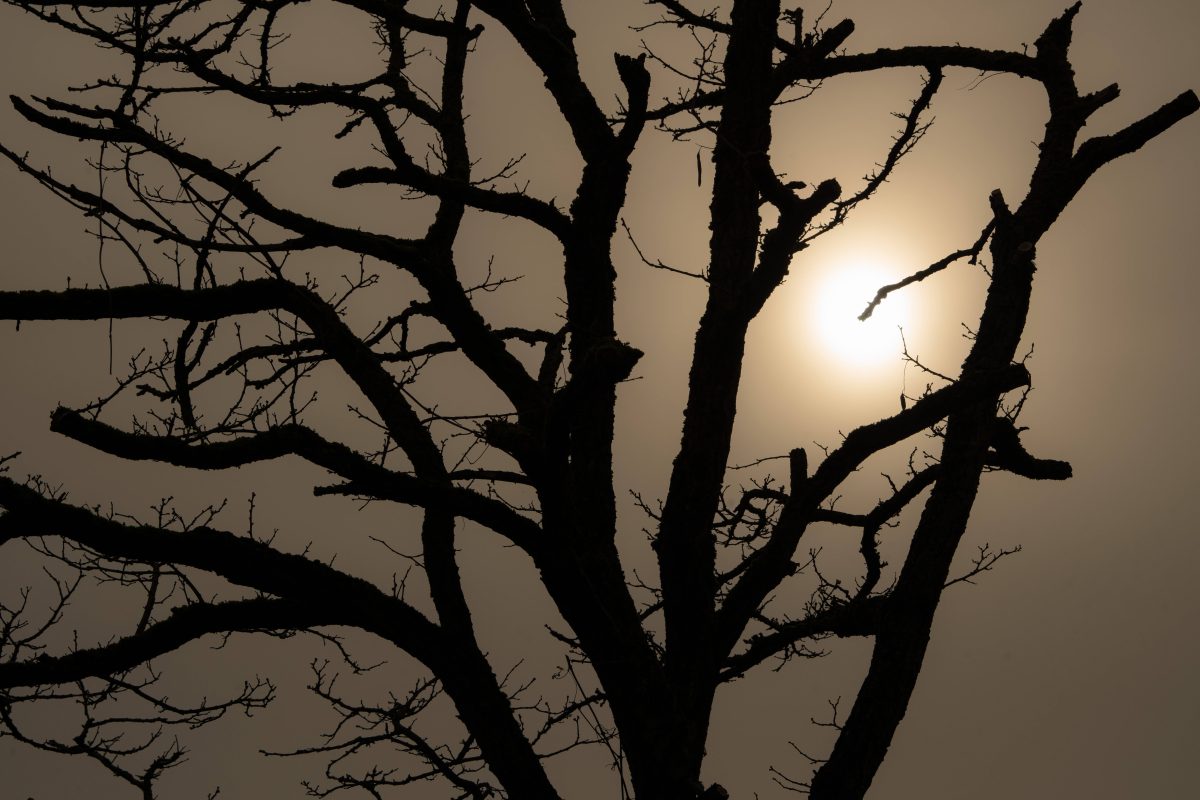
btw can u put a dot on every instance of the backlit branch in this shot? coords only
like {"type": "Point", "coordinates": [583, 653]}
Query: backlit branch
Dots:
{"type": "Point", "coordinates": [244, 297]}
{"type": "Point", "coordinates": [122, 130]}
{"type": "Point", "coordinates": [971, 253]}
{"type": "Point", "coordinates": [793, 71]}
{"type": "Point", "coordinates": [183, 625]}
{"type": "Point", "coordinates": [857, 618]}
{"type": "Point", "coordinates": [771, 564]}
{"type": "Point", "coordinates": [902, 144]}
{"type": "Point", "coordinates": [246, 562]}
{"type": "Point", "coordinates": [497, 414]}
{"type": "Point", "coordinates": [162, 229]}
{"type": "Point", "coordinates": [367, 478]}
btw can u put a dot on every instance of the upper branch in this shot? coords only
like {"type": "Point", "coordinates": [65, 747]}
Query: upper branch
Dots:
{"type": "Point", "coordinates": [788, 73]}
{"type": "Point", "coordinates": [121, 129]}
{"type": "Point", "coordinates": [147, 300]}
{"type": "Point", "coordinates": [94, 204]}
{"type": "Point", "coordinates": [541, 29]}
{"type": "Point", "coordinates": [513, 204]}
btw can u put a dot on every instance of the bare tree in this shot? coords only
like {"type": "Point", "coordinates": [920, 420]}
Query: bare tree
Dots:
{"type": "Point", "coordinates": [505, 428]}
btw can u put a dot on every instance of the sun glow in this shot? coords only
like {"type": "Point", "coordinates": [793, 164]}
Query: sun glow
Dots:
{"type": "Point", "coordinates": [836, 303]}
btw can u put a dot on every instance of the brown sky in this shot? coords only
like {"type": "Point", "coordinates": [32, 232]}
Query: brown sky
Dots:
{"type": "Point", "coordinates": [1069, 671]}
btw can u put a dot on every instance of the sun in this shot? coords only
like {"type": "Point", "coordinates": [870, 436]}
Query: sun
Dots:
{"type": "Point", "coordinates": [835, 305]}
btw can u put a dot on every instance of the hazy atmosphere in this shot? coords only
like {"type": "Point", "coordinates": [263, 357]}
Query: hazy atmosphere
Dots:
{"type": "Point", "coordinates": [1066, 671]}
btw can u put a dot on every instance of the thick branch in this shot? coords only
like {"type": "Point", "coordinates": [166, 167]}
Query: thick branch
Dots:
{"type": "Point", "coordinates": [1098, 151]}
{"type": "Point", "coordinates": [513, 204]}
{"type": "Point", "coordinates": [367, 478]}
{"type": "Point", "coordinates": [542, 31]}
{"type": "Point", "coordinates": [146, 300]}
{"type": "Point", "coordinates": [243, 297]}
{"type": "Point", "coordinates": [1009, 454]}
{"type": "Point", "coordinates": [317, 588]}
{"type": "Point", "coordinates": [184, 625]}
{"type": "Point", "coordinates": [770, 565]}
{"type": "Point", "coordinates": [240, 560]}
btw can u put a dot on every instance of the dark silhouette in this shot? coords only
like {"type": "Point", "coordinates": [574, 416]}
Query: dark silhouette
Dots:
{"type": "Point", "coordinates": [530, 459]}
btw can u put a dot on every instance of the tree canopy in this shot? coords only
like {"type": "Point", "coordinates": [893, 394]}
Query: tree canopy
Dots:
{"type": "Point", "coordinates": [470, 405]}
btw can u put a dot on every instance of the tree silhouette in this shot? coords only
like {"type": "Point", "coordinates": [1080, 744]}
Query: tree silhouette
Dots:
{"type": "Point", "coordinates": [484, 426]}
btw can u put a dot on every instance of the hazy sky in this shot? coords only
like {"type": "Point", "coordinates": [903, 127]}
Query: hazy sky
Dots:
{"type": "Point", "coordinates": [1068, 671]}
